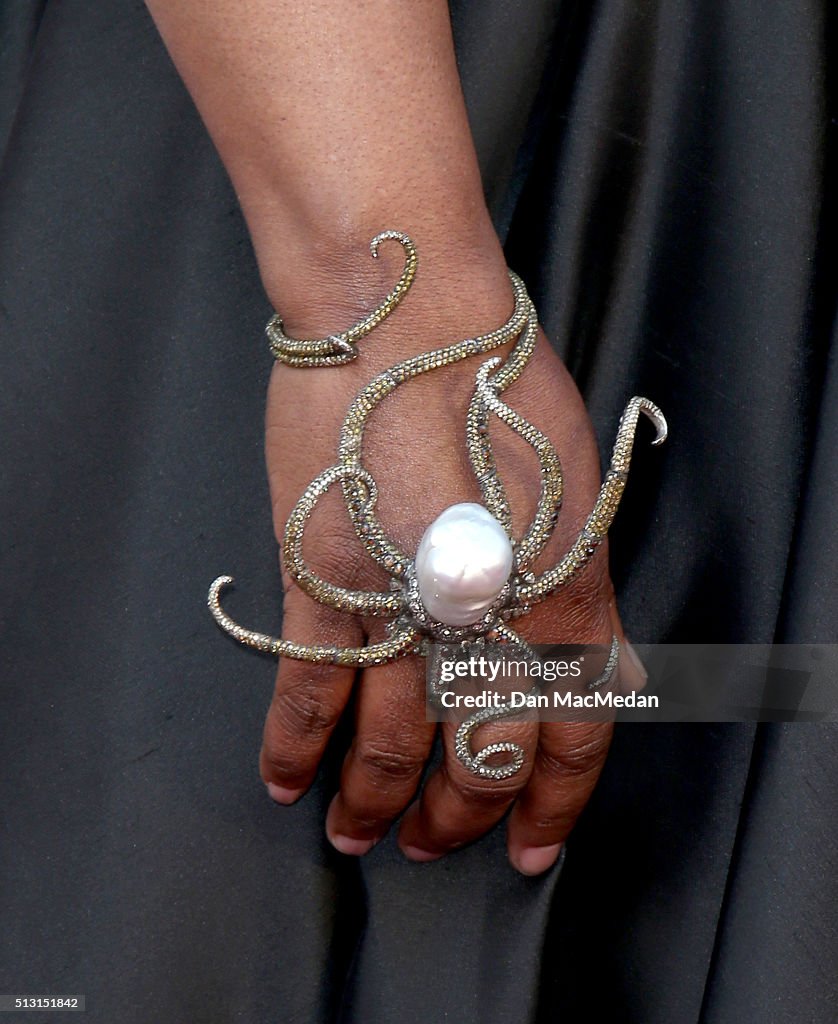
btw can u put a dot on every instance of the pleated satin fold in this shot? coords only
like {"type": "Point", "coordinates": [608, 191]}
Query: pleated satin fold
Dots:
{"type": "Point", "coordinates": [659, 174]}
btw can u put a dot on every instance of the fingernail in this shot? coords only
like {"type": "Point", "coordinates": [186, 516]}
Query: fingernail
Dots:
{"type": "Point", "coordinates": [352, 847]}
{"type": "Point", "coordinates": [635, 660]}
{"type": "Point", "coordinates": [283, 795]}
{"type": "Point", "coordinates": [533, 860]}
{"type": "Point", "coordinates": [418, 854]}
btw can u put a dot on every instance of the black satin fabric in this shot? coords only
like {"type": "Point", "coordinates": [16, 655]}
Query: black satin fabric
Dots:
{"type": "Point", "coordinates": [662, 173]}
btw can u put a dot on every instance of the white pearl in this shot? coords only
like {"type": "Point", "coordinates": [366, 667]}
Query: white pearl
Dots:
{"type": "Point", "coordinates": [462, 563]}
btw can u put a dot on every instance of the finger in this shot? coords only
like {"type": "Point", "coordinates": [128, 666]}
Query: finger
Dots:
{"type": "Point", "coordinates": [568, 763]}
{"type": "Point", "coordinates": [308, 699]}
{"type": "Point", "coordinates": [384, 765]}
{"type": "Point", "coordinates": [458, 806]}
{"type": "Point", "coordinates": [570, 755]}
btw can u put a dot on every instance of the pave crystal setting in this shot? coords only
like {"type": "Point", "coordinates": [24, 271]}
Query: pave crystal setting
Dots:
{"type": "Point", "coordinates": [446, 592]}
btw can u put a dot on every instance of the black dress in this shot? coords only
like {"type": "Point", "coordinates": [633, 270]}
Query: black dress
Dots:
{"type": "Point", "coordinates": [658, 170]}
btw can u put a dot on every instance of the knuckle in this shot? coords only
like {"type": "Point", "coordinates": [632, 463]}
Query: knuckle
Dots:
{"type": "Point", "coordinates": [364, 820]}
{"type": "Point", "coordinates": [332, 557]}
{"type": "Point", "coordinates": [590, 588]}
{"type": "Point", "coordinates": [305, 708]}
{"type": "Point", "coordinates": [546, 824]}
{"type": "Point", "coordinates": [580, 759]}
{"type": "Point", "coordinates": [486, 792]}
{"type": "Point", "coordinates": [586, 613]}
{"type": "Point", "coordinates": [279, 764]}
{"type": "Point", "coordinates": [335, 556]}
{"type": "Point", "coordinates": [379, 758]}
{"type": "Point", "coordinates": [309, 622]}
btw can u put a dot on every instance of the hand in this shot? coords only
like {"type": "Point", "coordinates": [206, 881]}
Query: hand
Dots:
{"type": "Point", "coordinates": [414, 448]}
{"type": "Point", "coordinates": [321, 153]}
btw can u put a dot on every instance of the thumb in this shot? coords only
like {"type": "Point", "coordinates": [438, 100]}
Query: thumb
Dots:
{"type": "Point", "coordinates": [631, 675]}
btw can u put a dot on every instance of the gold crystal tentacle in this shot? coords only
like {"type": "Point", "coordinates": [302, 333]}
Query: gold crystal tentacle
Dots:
{"type": "Point", "coordinates": [341, 348]}
{"type": "Point", "coordinates": [357, 602]}
{"type": "Point", "coordinates": [602, 516]}
{"type": "Point", "coordinates": [367, 527]}
{"type": "Point", "coordinates": [401, 642]}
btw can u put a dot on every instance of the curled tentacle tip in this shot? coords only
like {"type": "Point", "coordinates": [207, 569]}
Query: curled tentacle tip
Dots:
{"type": "Point", "coordinates": [382, 236]}
{"type": "Point", "coordinates": [215, 589]}
{"type": "Point", "coordinates": [652, 412]}
{"type": "Point", "coordinates": [343, 345]}
{"type": "Point", "coordinates": [660, 426]}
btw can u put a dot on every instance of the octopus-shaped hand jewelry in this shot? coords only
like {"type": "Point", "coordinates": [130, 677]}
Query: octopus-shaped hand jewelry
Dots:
{"type": "Point", "coordinates": [469, 576]}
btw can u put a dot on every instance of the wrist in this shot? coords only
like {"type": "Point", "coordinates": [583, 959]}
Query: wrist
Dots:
{"type": "Point", "coordinates": [322, 284]}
